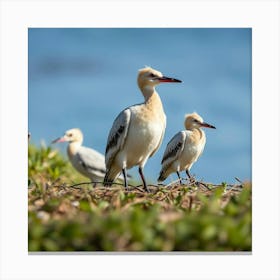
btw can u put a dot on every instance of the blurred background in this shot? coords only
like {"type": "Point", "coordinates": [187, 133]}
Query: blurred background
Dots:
{"type": "Point", "coordinates": [85, 77]}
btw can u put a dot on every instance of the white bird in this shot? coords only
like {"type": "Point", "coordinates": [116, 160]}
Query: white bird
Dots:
{"type": "Point", "coordinates": [184, 148]}
{"type": "Point", "coordinates": [137, 132]}
{"type": "Point", "coordinates": [87, 161]}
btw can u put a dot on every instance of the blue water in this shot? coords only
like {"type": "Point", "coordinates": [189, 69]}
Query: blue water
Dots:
{"type": "Point", "coordinates": [85, 77]}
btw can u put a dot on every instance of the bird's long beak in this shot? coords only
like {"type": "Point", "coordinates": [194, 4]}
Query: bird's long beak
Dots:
{"type": "Point", "coordinates": [165, 79]}
{"type": "Point", "coordinates": [204, 124]}
{"type": "Point", "coordinates": [58, 140]}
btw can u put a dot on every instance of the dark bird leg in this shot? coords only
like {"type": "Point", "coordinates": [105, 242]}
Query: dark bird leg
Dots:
{"type": "Point", "coordinates": [143, 179]}
{"type": "Point", "coordinates": [125, 178]}
{"type": "Point", "coordinates": [188, 173]}
{"type": "Point", "coordinates": [192, 179]}
{"type": "Point", "coordinates": [180, 180]}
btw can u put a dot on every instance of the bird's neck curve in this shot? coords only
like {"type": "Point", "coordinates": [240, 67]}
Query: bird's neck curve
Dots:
{"type": "Point", "coordinates": [198, 134]}
{"type": "Point", "coordinates": [151, 96]}
{"type": "Point", "coordinates": [73, 148]}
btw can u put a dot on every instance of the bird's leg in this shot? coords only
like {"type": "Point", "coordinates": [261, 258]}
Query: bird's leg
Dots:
{"type": "Point", "coordinates": [188, 173]}
{"type": "Point", "coordinates": [192, 180]}
{"type": "Point", "coordinates": [125, 178]}
{"type": "Point", "coordinates": [180, 180]}
{"type": "Point", "coordinates": [143, 179]}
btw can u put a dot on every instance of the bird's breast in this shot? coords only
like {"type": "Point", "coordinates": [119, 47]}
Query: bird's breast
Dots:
{"type": "Point", "coordinates": [144, 135]}
{"type": "Point", "coordinates": [72, 149]}
{"type": "Point", "coordinates": [148, 124]}
{"type": "Point", "coordinates": [192, 150]}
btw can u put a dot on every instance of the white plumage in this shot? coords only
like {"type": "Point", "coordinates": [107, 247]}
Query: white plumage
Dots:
{"type": "Point", "coordinates": [137, 132]}
{"type": "Point", "coordinates": [184, 148]}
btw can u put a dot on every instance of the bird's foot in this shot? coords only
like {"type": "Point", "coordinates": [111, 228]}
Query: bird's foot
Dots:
{"type": "Point", "coordinates": [192, 181]}
{"type": "Point", "coordinates": [147, 189]}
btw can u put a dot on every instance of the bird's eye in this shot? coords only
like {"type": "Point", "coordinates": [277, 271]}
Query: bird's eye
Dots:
{"type": "Point", "coordinates": [70, 134]}
{"type": "Point", "coordinates": [152, 75]}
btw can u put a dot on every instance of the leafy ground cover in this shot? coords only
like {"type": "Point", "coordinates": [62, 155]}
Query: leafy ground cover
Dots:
{"type": "Point", "coordinates": [64, 215]}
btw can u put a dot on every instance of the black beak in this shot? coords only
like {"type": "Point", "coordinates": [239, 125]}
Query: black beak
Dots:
{"type": "Point", "coordinates": [204, 124]}
{"type": "Point", "coordinates": [165, 79]}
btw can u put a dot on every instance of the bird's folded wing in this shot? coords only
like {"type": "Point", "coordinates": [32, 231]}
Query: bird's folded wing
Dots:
{"type": "Point", "coordinates": [117, 136]}
{"type": "Point", "coordinates": [91, 161]}
{"type": "Point", "coordinates": [174, 148]}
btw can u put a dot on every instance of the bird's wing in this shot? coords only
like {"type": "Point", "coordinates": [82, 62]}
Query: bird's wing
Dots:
{"type": "Point", "coordinates": [174, 148]}
{"type": "Point", "coordinates": [117, 136]}
{"type": "Point", "coordinates": [91, 161]}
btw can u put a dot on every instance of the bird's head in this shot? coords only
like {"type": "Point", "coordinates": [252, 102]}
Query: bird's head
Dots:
{"type": "Point", "coordinates": [151, 77]}
{"type": "Point", "coordinates": [73, 135]}
{"type": "Point", "coordinates": [195, 121]}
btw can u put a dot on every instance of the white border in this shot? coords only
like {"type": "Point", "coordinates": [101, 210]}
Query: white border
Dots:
{"type": "Point", "coordinates": [17, 16]}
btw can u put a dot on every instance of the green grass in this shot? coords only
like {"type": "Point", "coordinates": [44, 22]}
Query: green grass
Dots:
{"type": "Point", "coordinates": [83, 218]}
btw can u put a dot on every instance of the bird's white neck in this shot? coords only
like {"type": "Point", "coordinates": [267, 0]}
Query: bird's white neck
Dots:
{"type": "Point", "coordinates": [148, 91]}
{"type": "Point", "coordinates": [73, 148]}
{"type": "Point", "coordinates": [152, 98]}
{"type": "Point", "coordinates": [197, 135]}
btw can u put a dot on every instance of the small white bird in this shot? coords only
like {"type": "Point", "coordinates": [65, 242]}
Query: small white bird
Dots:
{"type": "Point", "coordinates": [137, 132]}
{"type": "Point", "coordinates": [184, 148]}
{"type": "Point", "coordinates": [87, 161]}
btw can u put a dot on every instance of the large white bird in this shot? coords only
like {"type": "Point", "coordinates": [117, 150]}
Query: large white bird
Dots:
{"type": "Point", "coordinates": [184, 148]}
{"type": "Point", "coordinates": [137, 132]}
{"type": "Point", "coordinates": [87, 161]}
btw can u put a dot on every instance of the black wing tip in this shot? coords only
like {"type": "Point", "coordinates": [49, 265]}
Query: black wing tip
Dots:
{"type": "Point", "coordinates": [107, 182]}
{"type": "Point", "coordinates": [161, 177]}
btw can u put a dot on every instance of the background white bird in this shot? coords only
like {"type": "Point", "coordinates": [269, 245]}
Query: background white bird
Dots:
{"type": "Point", "coordinates": [184, 148]}
{"type": "Point", "coordinates": [138, 130]}
{"type": "Point", "coordinates": [87, 161]}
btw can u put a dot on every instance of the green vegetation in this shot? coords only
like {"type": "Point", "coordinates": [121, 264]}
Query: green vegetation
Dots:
{"type": "Point", "coordinates": [63, 217]}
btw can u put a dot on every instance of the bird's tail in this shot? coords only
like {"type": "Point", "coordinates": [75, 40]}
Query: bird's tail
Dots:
{"type": "Point", "coordinates": [162, 175]}
{"type": "Point", "coordinates": [110, 177]}
{"type": "Point", "coordinates": [107, 180]}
